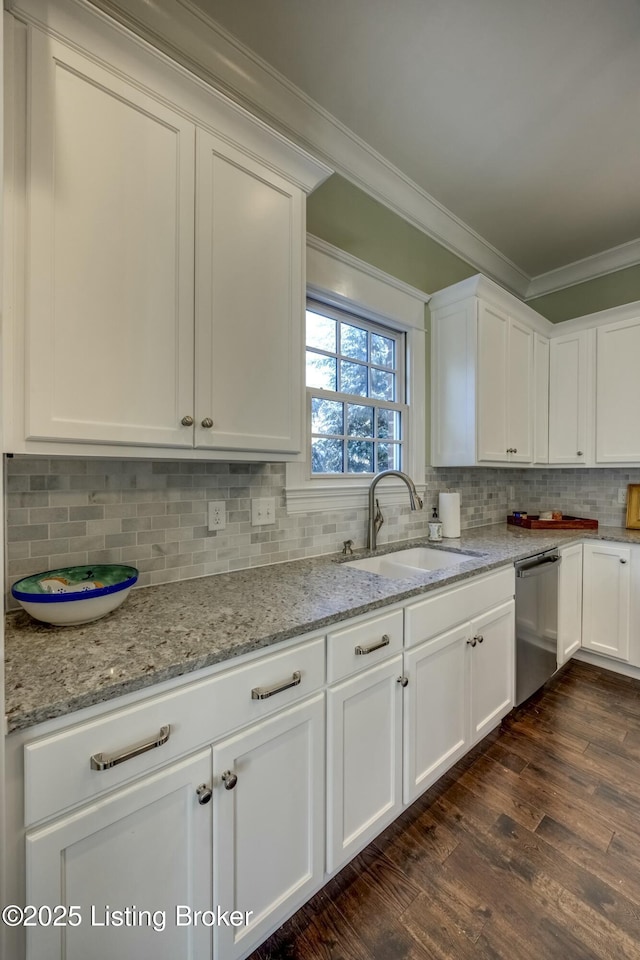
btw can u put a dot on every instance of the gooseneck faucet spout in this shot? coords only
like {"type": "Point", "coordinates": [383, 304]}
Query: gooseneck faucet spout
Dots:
{"type": "Point", "coordinates": [375, 514]}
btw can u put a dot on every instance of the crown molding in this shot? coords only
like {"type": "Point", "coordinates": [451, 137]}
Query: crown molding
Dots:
{"type": "Point", "coordinates": [188, 35]}
{"type": "Point", "coordinates": [589, 268]}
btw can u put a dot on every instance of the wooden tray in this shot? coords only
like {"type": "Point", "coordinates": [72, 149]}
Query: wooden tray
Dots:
{"type": "Point", "coordinates": [633, 506]}
{"type": "Point", "coordinates": [567, 523]}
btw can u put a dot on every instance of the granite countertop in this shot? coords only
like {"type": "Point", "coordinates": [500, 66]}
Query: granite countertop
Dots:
{"type": "Point", "coordinates": [166, 631]}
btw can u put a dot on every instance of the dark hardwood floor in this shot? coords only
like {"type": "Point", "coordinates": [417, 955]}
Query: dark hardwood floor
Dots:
{"type": "Point", "coordinates": [529, 849]}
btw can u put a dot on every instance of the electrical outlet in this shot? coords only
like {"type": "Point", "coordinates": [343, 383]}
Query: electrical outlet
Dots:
{"type": "Point", "coordinates": [217, 510]}
{"type": "Point", "coordinates": [511, 492]}
{"type": "Point", "coordinates": [263, 511]}
{"type": "Point", "coordinates": [622, 496]}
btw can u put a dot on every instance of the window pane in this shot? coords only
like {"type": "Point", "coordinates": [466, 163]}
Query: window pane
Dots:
{"type": "Point", "coordinates": [353, 342]}
{"type": "Point", "coordinates": [321, 332]}
{"type": "Point", "coordinates": [388, 456]}
{"type": "Point", "coordinates": [327, 456]}
{"type": "Point", "coordinates": [382, 384]}
{"type": "Point", "coordinates": [353, 378]}
{"type": "Point", "coordinates": [359, 456]}
{"type": "Point", "coordinates": [326, 416]}
{"type": "Point", "coordinates": [388, 422]}
{"type": "Point", "coordinates": [321, 371]}
{"type": "Point", "coordinates": [359, 420]}
{"type": "Point", "coordinates": [382, 351]}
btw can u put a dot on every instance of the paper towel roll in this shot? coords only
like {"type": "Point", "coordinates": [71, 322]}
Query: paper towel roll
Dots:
{"type": "Point", "coordinates": [449, 513]}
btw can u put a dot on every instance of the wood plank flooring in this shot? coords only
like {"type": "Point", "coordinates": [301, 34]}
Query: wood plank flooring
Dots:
{"type": "Point", "coordinates": [529, 849]}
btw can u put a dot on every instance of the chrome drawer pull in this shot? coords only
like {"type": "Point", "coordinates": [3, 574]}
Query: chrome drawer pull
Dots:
{"type": "Point", "coordinates": [104, 761]}
{"type": "Point", "coordinates": [262, 693]}
{"type": "Point", "coordinates": [384, 642]}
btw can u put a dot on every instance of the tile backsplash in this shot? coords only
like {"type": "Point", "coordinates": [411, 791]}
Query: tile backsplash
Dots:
{"type": "Point", "coordinates": [153, 514]}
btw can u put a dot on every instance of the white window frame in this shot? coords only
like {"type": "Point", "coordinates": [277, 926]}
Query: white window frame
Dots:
{"type": "Point", "coordinates": [340, 280]}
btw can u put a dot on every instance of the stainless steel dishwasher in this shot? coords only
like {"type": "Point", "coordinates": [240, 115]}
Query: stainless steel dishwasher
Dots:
{"type": "Point", "coordinates": [536, 622]}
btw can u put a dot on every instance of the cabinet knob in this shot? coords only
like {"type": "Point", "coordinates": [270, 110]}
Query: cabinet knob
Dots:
{"type": "Point", "coordinates": [580, 453]}
{"type": "Point", "coordinates": [187, 421]}
{"type": "Point", "coordinates": [229, 779]}
{"type": "Point", "coordinates": [403, 681]}
{"type": "Point", "coordinates": [622, 561]}
{"type": "Point", "coordinates": [479, 638]}
{"type": "Point", "coordinates": [207, 423]}
{"type": "Point", "coordinates": [515, 450]}
{"type": "Point", "coordinates": [471, 643]}
{"type": "Point", "coordinates": [203, 793]}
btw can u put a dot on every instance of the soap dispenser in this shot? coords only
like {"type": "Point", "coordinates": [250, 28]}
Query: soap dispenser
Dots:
{"type": "Point", "coordinates": [435, 526]}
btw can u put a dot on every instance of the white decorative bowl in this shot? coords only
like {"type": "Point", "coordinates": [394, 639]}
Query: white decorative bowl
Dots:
{"type": "Point", "coordinates": [73, 595]}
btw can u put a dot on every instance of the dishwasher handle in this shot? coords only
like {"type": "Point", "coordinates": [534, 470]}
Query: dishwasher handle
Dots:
{"type": "Point", "coordinates": [539, 568]}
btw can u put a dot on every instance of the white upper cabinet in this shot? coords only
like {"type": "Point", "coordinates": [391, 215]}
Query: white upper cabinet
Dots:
{"type": "Point", "coordinates": [570, 362]}
{"type": "Point", "coordinates": [160, 235]}
{"type": "Point", "coordinates": [109, 326]}
{"type": "Point", "coordinates": [618, 392]}
{"type": "Point", "coordinates": [484, 380]}
{"type": "Point", "coordinates": [249, 298]}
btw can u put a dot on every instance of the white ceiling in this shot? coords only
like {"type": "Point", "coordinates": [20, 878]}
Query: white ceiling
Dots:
{"type": "Point", "coordinates": [521, 118]}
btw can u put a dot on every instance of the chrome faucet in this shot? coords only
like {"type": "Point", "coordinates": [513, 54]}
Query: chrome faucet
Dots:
{"type": "Point", "coordinates": [376, 519]}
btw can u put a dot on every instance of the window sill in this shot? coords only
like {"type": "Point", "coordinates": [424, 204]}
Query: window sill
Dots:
{"type": "Point", "coordinates": [319, 495]}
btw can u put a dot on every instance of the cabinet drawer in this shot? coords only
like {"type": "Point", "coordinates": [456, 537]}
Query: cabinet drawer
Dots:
{"type": "Point", "coordinates": [58, 769]}
{"type": "Point", "coordinates": [363, 645]}
{"type": "Point", "coordinates": [442, 611]}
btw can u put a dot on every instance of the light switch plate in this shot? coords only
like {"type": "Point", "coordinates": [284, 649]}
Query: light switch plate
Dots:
{"type": "Point", "coordinates": [622, 496]}
{"type": "Point", "coordinates": [263, 511]}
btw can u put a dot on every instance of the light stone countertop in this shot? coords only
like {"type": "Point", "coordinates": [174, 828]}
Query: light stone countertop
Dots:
{"type": "Point", "coordinates": [170, 630]}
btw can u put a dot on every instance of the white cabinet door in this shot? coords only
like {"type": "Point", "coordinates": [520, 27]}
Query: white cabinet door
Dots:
{"type": "Point", "coordinates": [249, 302]}
{"type": "Point", "coordinates": [519, 400]}
{"type": "Point", "coordinates": [364, 759]}
{"type": "Point", "coordinates": [541, 402]}
{"type": "Point", "coordinates": [569, 602]}
{"type": "Point", "coordinates": [568, 390]}
{"type": "Point", "coordinates": [109, 326]}
{"type": "Point", "coordinates": [493, 384]}
{"type": "Point", "coordinates": [606, 599]}
{"type": "Point", "coordinates": [147, 848]}
{"type": "Point", "coordinates": [618, 392]}
{"type": "Point", "coordinates": [269, 827]}
{"type": "Point", "coordinates": [436, 719]}
{"type": "Point", "coordinates": [491, 669]}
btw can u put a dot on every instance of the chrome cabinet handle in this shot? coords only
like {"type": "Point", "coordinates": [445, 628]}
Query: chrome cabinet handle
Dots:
{"type": "Point", "coordinates": [403, 681]}
{"type": "Point", "coordinates": [262, 693]}
{"type": "Point", "coordinates": [104, 761]}
{"type": "Point", "coordinates": [384, 642]}
{"type": "Point", "coordinates": [187, 421]}
{"type": "Point", "coordinates": [229, 779]}
{"type": "Point", "coordinates": [207, 423]}
{"type": "Point", "coordinates": [203, 793]}
{"type": "Point", "coordinates": [471, 643]}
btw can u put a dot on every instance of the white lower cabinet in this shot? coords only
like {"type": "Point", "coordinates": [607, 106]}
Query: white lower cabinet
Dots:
{"type": "Point", "coordinates": [492, 669]}
{"type": "Point", "coordinates": [364, 758]}
{"type": "Point", "coordinates": [268, 817]}
{"type": "Point", "coordinates": [436, 719]}
{"type": "Point", "coordinates": [569, 602]}
{"type": "Point", "coordinates": [606, 605]}
{"type": "Point", "coordinates": [145, 850]}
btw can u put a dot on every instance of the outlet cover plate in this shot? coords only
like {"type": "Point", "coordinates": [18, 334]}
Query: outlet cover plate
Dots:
{"type": "Point", "coordinates": [263, 510]}
{"type": "Point", "coordinates": [217, 514]}
{"type": "Point", "coordinates": [622, 496]}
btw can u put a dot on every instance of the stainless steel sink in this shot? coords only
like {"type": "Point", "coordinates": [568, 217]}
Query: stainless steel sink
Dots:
{"type": "Point", "coordinates": [406, 563]}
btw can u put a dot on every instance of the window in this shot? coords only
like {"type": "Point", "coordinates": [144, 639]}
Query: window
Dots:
{"type": "Point", "coordinates": [356, 397]}
{"type": "Point", "coordinates": [389, 428]}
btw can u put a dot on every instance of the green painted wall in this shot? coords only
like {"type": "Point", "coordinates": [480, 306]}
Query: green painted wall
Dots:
{"type": "Point", "coordinates": [349, 218]}
{"type": "Point", "coordinates": [617, 288]}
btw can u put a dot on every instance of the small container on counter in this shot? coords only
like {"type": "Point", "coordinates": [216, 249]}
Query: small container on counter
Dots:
{"type": "Point", "coordinates": [435, 527]}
